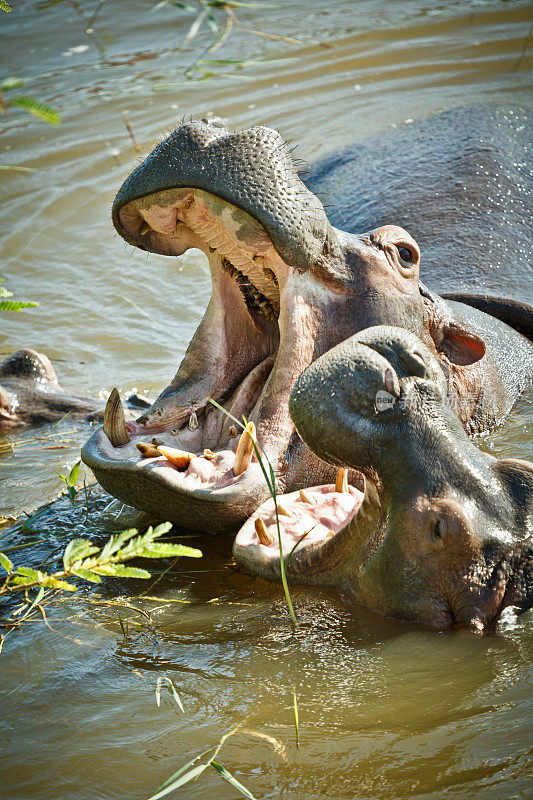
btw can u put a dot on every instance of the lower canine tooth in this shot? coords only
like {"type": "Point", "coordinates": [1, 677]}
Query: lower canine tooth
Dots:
{"type": "Point", "coordinates": [263, 534]}
{"type": "Point", "coordinates": [147, 450]}
{"type": "Point", "coordinates": [341, 483]}
{"type": "Point", "coordinates": [144, 229]}
{"type": "Point", "coordinates": [114, 422]}
{"type": "Point", "coordinates": [209, 455]}
{"type": "Point", "coordinates": [305, 497]}
{"type": "Point", "coordinates": [193, 422]}
{"type": "Point", "coordinates": [181, 458]}
{"type": "Point", "coordinates": [283, 511]}
{"type": "Point", "coordinates": [245, 449]}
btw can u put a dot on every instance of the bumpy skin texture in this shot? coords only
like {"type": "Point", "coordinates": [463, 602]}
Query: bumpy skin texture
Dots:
{"type": "Point", "coordinates": [460, 182]}
{"type": "Point", "coordinates": [242, 167]}
{"type": "Point", "coordinates": [238, 197]}
{"type": "Point", "coordinates": [452, 533]}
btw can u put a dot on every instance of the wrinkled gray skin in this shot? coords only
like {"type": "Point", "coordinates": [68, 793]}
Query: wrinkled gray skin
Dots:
{"type": "Point", "coordinates": [30, 394]}
{"type": "Point", "coordinates": [448, 533]}
{"type": "Point", "coordinates": [287, 286]}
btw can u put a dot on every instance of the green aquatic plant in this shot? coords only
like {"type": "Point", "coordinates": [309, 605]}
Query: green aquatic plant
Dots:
{"type": "Point", "coordinates": [30, 104]}
{"type": "Point", "coordinates": [86, 561]}
{"type": "Point", "coordinates": [188, 772]}
{"type": "Point", "coordinates": [5, 6]}
{"type": "Point", "coordinates": [220, 17]}
{"type": "Point", "coordinates": [270, 478]}
{"type": "Point", "coordinates": [13, 305]}
{"type": "Point", "coordinates": [71, 479]}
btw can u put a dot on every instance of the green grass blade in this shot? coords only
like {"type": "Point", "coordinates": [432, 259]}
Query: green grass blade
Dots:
{"type": "Point", "coordinates": [296, 720]}
{"type": "Point", "coordinates": [223, 772]}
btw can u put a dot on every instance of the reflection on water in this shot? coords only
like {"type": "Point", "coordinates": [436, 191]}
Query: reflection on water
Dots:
{"type": "Point", "coordinates": [386, 710]}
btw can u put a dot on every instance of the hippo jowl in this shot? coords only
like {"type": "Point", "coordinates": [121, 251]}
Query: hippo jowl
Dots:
{"type": "Point", "coordinates": [288, 286]}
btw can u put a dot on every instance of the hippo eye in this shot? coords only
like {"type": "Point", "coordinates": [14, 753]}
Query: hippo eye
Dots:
{"type": "Point", "coordinates": [405, 255]}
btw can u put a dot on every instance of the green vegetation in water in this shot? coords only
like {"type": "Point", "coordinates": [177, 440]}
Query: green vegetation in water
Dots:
{"type": "Point", "coordinates": [82, 559]}
{"type": "Point", "coordinates": [189, 772]}
{"type": "Point", "coordinates": [30, 104]}
{"type": "Point", "coordinates": [70, 480]}
{"type": "Point", "coordinates": [13, 305]}
{"type": "Point", "coordinates": [220, 17]}
{"type": "Point", "coordinates": [5, 6]}
{"type": "Point", "coordinates": [270, 479]}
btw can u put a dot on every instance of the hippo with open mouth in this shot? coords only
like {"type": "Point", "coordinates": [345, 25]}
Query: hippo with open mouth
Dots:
{"type": "Point", "coordinates": [432, 530]}
{"type": "Point", "coordinates": [287, 286]}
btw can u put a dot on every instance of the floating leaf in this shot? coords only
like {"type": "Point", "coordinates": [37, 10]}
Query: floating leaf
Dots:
{"type": "Point", "coordinates": [223, 772]}
{"type": "Point", "coordinates": [11, 83]}
{"type": "Point", "coordinates": [5, 6]}
{"type": "Point", "coordinates": [175, 694]}
{"type": "Point", "coordinates": [74, 472]}
{"type": "Point", "coordinates": [165, 550]}
{"type": "Point", "coordinates": [130, 572]}
{"type": "Point", "coordinates": [5, 562]}
{"type": "Point", "coordinates": [15, 305]}
{"type": "Point", "coordinates": [36, 108]}
{"type": "Point", "coordinates": [29, 573]}
{"type": "Point", "coordinates": [87, 575]}
{"type": "Point", "coordinates": [184, 777]}
{"type": "Point", "coordinates": [76, 550]}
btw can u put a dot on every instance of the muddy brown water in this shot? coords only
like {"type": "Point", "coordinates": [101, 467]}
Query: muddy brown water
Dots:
{"type": "Point", "coordinates": [386, 710]}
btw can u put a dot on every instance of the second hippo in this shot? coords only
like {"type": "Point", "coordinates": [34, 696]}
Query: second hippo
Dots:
{"type": "Point", "coordinates": [431, 529]}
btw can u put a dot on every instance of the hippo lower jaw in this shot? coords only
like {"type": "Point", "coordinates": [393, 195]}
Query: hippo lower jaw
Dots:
{"type": "Point", "coordinates": [258, 334]}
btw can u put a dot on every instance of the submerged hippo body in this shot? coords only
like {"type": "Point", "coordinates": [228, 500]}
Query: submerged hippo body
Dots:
{"type": "Point", "coordinates": [437, 531]}
{"type": "Point", "coordinates": [288, 286]}
{"type": "Point", "coordinates": [30, 394]}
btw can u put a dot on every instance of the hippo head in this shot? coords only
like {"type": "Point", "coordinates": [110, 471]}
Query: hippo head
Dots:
{"type": "Point", "coordinates": [287, 286]}
{"type": "Point", "coordinates": [432, 529]}
{"type": "Point", "coordinates": [30, 393]}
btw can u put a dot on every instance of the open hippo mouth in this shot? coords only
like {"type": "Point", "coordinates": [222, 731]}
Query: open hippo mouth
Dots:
{"type": "Point", "coordinates": [258, 333]}
{"type": "Point", "coordinates": [444, 539]}
{"type": "Point", "coordinates": [318, 528]}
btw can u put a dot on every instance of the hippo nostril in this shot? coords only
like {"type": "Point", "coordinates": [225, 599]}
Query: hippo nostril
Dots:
{"type": "Point", "coordinates": [415, 363]}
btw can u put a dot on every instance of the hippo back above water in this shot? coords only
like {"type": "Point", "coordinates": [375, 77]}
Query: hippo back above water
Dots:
{"type": "Point", "coordinates": [459, 181]}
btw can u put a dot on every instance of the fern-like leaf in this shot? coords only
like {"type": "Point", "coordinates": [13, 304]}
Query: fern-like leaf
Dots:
{"type": "Point", "coordinates": [41, 110]}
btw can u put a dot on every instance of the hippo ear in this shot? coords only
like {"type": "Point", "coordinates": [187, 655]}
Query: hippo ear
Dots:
{"type": "Point", "coordinates": [517, 476]}
{"type": "Point", "coordinates": [461, 346]}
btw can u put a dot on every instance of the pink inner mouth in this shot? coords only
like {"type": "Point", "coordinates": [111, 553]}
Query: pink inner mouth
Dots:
{"type": "Point", "coordinates": [308, 519]}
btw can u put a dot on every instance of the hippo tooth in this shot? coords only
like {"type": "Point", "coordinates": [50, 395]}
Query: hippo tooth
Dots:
{"type": "Point", "coordinates": [180, 458]}
{"type": "Point", "coordinates": [245, 449]}
{"type": "Point", "coordinates": [193, 422]}
{"type": "Point", "coordinates": [306, 498]}
{"type": "Point", "coordinates": [144, 229]}
{"type": "Point", "coordinates": [341, 482]}
{"type": "Point", "coordinates": [147, 450]}
{"type": "Point", "coordinates": [263, 534]}
{"type": "Point", "coordinates": [283, 511]}
{"type": "Point", "coordinates": [209, 455]}
{"type": "Point", "coordinates": [232, 431]}
{"type": "Point", "coordinates": [114, 422]}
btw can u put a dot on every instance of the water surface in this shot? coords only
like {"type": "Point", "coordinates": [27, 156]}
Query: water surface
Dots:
{"type": "Point", "coordinates": [386, 710]}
